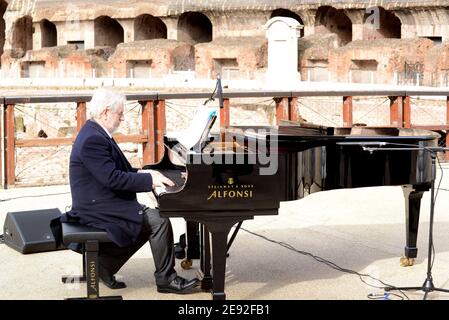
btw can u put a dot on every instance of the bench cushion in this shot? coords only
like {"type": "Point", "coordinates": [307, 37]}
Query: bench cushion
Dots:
{"type": "Point", "coordinates": [78, 233]}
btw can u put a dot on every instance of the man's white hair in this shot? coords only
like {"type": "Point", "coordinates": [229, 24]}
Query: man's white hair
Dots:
{"type": "Point", "coordinates": [103, 99]}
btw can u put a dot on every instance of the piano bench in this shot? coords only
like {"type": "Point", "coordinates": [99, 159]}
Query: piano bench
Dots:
{"type": "Point", "coordinates": [90, 239]}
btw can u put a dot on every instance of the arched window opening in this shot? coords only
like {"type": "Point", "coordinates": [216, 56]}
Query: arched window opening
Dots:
{"type": "Point", "coordinates": [194, 26]}
{"type": "Point", "coordinates": [380, 23]}
{"type": "Point", "coordinates": [49, 34]}
{"type": "Point", "coordinates": [288, 14]}
{"type": "Point", "coordinates": [3, 6]}
{"type": "Point", "coordinates": [108, 32]}
{"type": "Point", "coordinates": [147, 27]}
{"type": "Point", "coordinates": [22, 37]}
{"type": "Point", "coordinates": [331, 20]}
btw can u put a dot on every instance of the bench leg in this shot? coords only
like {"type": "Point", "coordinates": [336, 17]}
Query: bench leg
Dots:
{"type": "Point", "coordinates": [77, 279]}
{"type": "Point", "coordinates": [90, 262]}
{"type": "Point", "coordinates": [91, 270]}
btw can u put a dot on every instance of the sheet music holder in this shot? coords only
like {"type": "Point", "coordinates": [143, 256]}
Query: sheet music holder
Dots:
{"type": "Point", "coordinates": [196, 136]}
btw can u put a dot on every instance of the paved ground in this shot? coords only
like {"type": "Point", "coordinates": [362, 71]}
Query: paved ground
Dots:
{"type": "Point", "coordinates": [360, 229]}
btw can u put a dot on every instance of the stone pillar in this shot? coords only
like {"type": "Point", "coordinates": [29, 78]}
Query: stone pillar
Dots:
{"type": "Point", "coordinates": [9, 18]}
{"type": "Point", "coordinates": [89, 34]}
{"type": "Point", "coordinates": [128, 29]}
{"type": "Point", "coordinates": [37, 36]}
{"type": "Point", "coordinates": [282, 34]}
{"type": "Point", "coordinates": [172, 27]}
{"type": "Point", "coordinates": [308, 18]}
{"type": "Point", "coordinates": [357, 32]}
{"type": "Point", "coordinates": [358, 23]}
{"type": "Point", "coordinates": [61, 33]}
{"type": "Point", "coordinates": [309, 30]}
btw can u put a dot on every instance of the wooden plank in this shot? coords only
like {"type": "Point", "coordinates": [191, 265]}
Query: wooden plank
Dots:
{"type": "Point", "coordinates": [406, 112]}
{"type": "Point", "coordinates": [43, 142]}
{"type": "Point", "coordinates": [148, 129]}
{"type": "Point", "coordinates": [225, 117]}
{"type": "Point", "coordinates": [2, 142]}
{"type": "Point", "coordinates": [282, 109]}
{"type": "Point", "coordinates": [160, 130]}
{"type": "Point", "coordinates": [80, 115]}
{"type": "Point", "coordinates": [52, 142]}
{"type": "Point", "coordinates": [396, 116]}
{"type": "Point", "coordinates": [56, 98]}
{"type": "Point", "coordinates": [446, 155]}
{"type": "Point", "coordinates": [347, 111]}
{"type": "Point", "coordinates": [145, 96]}
{"type": "Point", "coordinates": [293, 113]}
{"type": "Point", "coordinates": [132, 138]}
{"type": "Point", "coordinates": [430, 127]}
{"type": "Point", "coordinates": [10, 161]}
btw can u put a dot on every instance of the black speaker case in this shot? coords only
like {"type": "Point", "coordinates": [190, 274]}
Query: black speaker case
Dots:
{"type": "Point", "coordinates": [29, 231]}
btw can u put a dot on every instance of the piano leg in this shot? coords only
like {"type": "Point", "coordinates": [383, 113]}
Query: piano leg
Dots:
{"type": "Point", "coordinates": [192, 237]}
{"type": "Point", "coordinates": [413, 197]}
{"type": "Point", "coordinates": [219, 229]}
{"type": "Point", "coordinates": [219, 250]}
{"type": "Point", "coordinates": [205, 272]}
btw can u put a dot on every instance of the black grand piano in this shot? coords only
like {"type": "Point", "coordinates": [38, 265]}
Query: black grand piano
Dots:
{"type": "Point", "coordinates": [252, 169]}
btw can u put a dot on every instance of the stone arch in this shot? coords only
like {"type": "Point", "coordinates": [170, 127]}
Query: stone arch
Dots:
{"type": "Point", "coordinates": [3, 6]}
{"type": "Point", "coordinates": [148, 27]}
{"type": "Point", "coordinates": [385, 25]}
{"type": "Point", "coordinates": [289, 14]}
{"type": "Point", "coordinates": [330, 20]}
{"type": "Point", "coordinates": [108, 32]}
{"type": "Point", "coordinates": [22, 36]}
{"type": "Point", "coordinates": [194, 26]}
{"type": "Point", "coordinates": [407, 17]}
{"type": "Point", "coordinates": [48, 33]}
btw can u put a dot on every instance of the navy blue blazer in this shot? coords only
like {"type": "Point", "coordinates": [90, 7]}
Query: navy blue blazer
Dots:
{"type": "Point", "coordinates": [104, 185]}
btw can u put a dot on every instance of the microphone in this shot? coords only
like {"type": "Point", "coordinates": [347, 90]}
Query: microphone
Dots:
{"type": "Point", "coordinates": [219, 91]}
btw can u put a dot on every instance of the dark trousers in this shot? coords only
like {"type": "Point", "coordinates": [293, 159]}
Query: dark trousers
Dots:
{"type": "Point", "coordinates": [158, 231]}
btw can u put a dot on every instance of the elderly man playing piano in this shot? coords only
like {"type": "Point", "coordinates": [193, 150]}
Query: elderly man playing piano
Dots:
{"type": "Point", "coordinates": [104, 186]}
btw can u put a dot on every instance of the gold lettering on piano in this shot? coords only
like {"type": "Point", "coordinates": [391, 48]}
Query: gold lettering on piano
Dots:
{"type": "Point", "coordinates": [231, 191]}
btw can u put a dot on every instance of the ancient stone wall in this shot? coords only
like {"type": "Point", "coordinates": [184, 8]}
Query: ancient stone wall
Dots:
{"type": "Point", "coordinates": [211, 28]}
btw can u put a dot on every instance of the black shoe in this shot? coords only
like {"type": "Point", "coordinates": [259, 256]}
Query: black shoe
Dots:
{"type": "Point", "coordinates": [111, 282]}
{"type": "Point", "coordinates": [179, 285]}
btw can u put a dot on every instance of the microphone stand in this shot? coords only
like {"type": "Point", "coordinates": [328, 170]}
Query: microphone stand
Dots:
{"type": "Point", "coordinates": [428, 285]}
{"type": "Point", "coordinates": [219, 91]}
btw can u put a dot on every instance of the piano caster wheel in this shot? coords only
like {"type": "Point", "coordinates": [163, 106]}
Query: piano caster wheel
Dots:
{"type": "Point", "coordinates": [186, 264]}
{"type": "Point", "coordinates": [406, 262]}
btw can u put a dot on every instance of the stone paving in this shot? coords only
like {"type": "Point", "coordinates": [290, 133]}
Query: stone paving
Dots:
{"type": "Point", "coordinates": [358, 229]}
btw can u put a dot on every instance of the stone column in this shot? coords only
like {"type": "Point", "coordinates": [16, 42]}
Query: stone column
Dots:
{"type": "Point", "coordinates": [356, 17]}
{"type": "Point", "coordinates": [128, 29]}
{"type": "Point", "coordinates": [9, 18]}
{"type": "Point", "coordinates": [89, 34]}
{"type": "Point", "coordinates": [37, 36]}
{"type": "Point", "coordinates": [282, 34]}
{"type": "Point", "coordinates": [309, 30]}
{"type": "Point", "coordinates": [357, 32]}
{"type": "Point", "coordinates": [172, 27]}
{"type": "Point", "coordinates": [60, 32]}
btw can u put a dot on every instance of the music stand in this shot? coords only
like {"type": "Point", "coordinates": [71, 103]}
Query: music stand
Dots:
{"type": "Point", "coordinates": [428, 285]}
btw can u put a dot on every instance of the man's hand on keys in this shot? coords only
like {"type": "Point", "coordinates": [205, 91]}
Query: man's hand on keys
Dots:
{"type": "Point", "coordinates": [159, 180]}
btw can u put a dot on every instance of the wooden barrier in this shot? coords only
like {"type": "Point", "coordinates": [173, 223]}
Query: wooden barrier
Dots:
{"type": "Point", "coordinates": [154, 118]}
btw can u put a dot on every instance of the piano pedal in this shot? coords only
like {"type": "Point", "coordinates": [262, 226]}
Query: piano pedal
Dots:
{"type": "Point", "coordinates": [186, 264]}
{"type": "Point", "coordinates": [406, 262]}
{"type": "Point", "coordinates": [180, 253]}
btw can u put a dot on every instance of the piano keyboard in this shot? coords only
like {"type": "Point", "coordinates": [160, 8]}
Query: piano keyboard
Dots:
{"type": "Point", "coordinates": [173, 175]}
